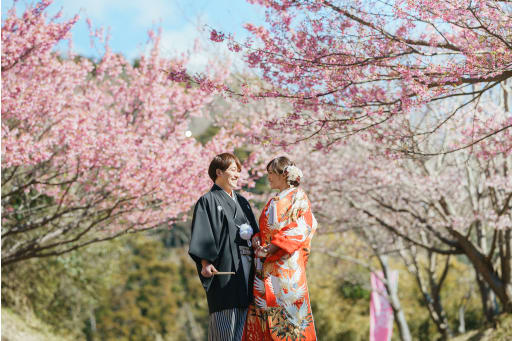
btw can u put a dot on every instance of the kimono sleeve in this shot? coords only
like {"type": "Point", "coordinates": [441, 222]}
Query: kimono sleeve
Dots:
{"type": "Point", "coordinates": [292, 236]}
{"type": "Point", "coordinates": [203, 244]}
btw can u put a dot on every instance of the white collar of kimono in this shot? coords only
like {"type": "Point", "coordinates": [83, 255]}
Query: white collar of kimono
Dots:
{"type": "Point", "coordinates": [285, 192]}
{"type": "Point", "coordinates": [232, 196]}
{"type": "Point", "coordinates": [272, 208]}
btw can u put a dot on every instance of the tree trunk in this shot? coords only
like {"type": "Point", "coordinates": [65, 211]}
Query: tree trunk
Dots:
{"type": "Point", "coordinates": [462, 310]}
{"type": "Point", "coordinates": [400, 320]}
{"type": "Point", "coordinates": [489, 306]}
{"type": "Point", "coordinates": [442, 321]}
{"type": "Point", "coordinates": [462, 321]}
{"type": "Point", "coordinates": [430, 288]}
{"type": "Point", "coordinates": [501, 287]}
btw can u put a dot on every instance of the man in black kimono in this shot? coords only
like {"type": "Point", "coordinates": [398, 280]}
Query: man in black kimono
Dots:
{"type": "Point", "coordinates": [221, 252]}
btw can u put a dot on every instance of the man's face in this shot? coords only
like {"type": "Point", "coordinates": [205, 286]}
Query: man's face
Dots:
{"type": "Point", "coordinates": [229, 177]}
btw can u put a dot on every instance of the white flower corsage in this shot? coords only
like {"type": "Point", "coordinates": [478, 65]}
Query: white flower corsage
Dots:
{"type": "Point", "coordinates": [293, 173]}
{"type": "Point", "coordinates": [246, 231]}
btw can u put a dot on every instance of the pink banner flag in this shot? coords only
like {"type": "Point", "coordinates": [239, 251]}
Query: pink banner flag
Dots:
{"type": "Point", "coordinates": [381, 313]}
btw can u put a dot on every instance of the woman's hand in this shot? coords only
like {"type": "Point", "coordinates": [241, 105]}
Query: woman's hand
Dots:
{"type": "Point", "coordinates": [208, 269]}
{"type": "Point", "coordinates": [261, 252]}
{"type": "Point", "coordinates": [266, 251]}
{"type": "Point", "coordinates": [256, 242]}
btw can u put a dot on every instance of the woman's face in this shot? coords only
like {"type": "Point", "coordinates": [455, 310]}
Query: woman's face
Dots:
{"type": "Point", "coordinates": [276, 180]}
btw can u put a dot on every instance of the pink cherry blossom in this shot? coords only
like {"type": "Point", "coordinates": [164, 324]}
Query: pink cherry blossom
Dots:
{"type": "Point", "coordinates": [94, 149]}
{"type": "Point", "coordinates": [352, 66]}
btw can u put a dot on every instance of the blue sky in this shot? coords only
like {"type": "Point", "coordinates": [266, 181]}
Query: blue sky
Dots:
{"type": "Point", "coordinates": [181, 22]}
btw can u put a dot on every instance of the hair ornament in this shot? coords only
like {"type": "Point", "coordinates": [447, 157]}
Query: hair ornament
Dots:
{"type": "Point", "coordinates": [293, 173]}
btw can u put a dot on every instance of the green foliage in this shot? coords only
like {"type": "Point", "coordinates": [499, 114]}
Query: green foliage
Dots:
{"type": "Point", "coordinates": [175, 237]}
{"type": "Point", "coordinates": [24, 205]}
{"type": "Point", "coordinates": [504, 329]}
{"type": "Point", "coordinates": [340, 292]}
{"type": "Point", "coordinates": [349, 335]}
{"type": "Point", "coordinates": [459, 289]}
{"type": "Point", "coordinates": [145, 287]}
{"type": "Point", "coordinates": [208, 134]}
{"type": "Point", "coordinates": [353, 291]}
{"type": "Point", "coordinates": [424, 330]}
{"type": "Point", "coordinates": [61, 291]}
{"type": "Point", "coordinates": [242, 153]}
{"type": "Point", "coordinates": [339, 299]}
{"type": "Point", "coordinates": [159, 297]}
{"type": "Point", "coordinates": [501, 332]}
{"type": "Point", "coordinates": [261, 185]}
{"type": "Point", "coordinates": [473, 318]}
{"type": "Point", "coordinates": [132, 288]}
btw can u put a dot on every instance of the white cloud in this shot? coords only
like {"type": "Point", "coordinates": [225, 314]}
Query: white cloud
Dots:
{"type": "Point", "coordinates": [181, 40]}
{"type": "Point", "coordinates": [172, 42]}
{"type": "Point", "coordinates": [146, 11]}
{"type": "Point", "coordinates": [176, 38]}
{"type": "Point", "coordinates": [152, 11]}
{"type": "Point", "coordinates": [176, 42]}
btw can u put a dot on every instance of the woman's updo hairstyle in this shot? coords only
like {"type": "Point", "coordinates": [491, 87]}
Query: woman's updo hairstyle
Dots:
{"type": "Point", "coordinates": [278, 166]}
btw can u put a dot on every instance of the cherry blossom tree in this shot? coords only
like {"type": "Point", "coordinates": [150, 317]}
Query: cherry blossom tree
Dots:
{"type": "Point", "coordinates": [94, 149]}
{"type": "Point", "coordinates": [430, 277]}
{"type": "Point", "coordinates": [455, 204]}
{"type": "Point", "coordinates": [372, 66]}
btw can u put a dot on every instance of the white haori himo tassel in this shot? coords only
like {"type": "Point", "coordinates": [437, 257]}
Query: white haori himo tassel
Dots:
{"type": "Point", "coordinates": [246, 232]}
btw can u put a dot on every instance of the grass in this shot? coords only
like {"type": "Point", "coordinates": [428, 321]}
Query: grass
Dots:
{"type": "Point", "coordinates": [503, 332]}
{"type": "Point", "coordinates": [17, 327]}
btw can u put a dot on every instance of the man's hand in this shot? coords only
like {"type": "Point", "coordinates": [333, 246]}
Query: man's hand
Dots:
{"type": "Point", "coordinates": [208, 269]}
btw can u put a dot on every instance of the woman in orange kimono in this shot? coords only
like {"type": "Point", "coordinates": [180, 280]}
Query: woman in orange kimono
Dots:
{"type": "Point", "coordinates": [281, 308]}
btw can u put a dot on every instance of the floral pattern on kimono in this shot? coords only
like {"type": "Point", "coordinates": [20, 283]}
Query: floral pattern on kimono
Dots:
{"type": "Point", "coordinates": [281, 310]}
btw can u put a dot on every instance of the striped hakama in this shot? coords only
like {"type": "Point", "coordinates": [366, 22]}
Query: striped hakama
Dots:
{"type": "Point", "coordinates": [227, 325]}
